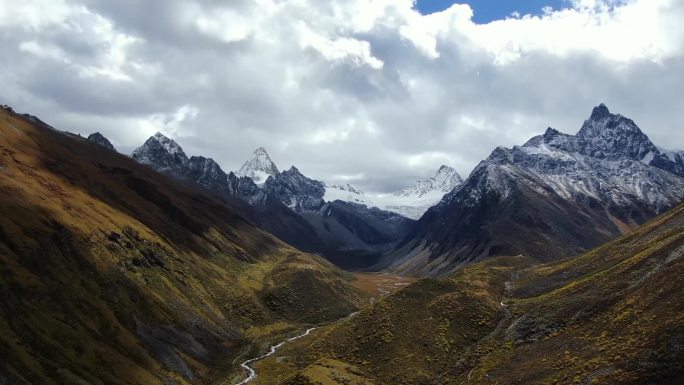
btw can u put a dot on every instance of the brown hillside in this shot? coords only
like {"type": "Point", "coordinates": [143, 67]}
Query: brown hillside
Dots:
{"type": "Point", "coordinates": [614, 315]}
{"type": "Point", "coordinates": [114, 274]}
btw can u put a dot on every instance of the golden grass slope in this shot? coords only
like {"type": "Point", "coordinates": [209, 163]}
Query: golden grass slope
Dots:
{"type": "Point", "coordinates": [614, 315]}
{"type": "Point", "coordinates": [113, 274]}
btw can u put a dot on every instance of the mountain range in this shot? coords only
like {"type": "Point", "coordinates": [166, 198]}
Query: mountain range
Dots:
{"type": "Point", "coordinates": [533, 199]}
{"type": "Point", "coordinates": [287, 204]}
{"type": "Point", "coordinates": [555, 196]}
{"type": "Point", "coordinates": [411, 202]}
{"type": "Point", "coordinates": [556, 261]}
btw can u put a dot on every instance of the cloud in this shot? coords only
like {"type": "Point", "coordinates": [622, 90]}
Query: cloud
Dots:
{"type": "Point", "coordinates": [371, 90]}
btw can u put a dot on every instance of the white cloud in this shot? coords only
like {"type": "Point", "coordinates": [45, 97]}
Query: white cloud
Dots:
{"type": "Point", "coordinates": [363, 88]}
{"type": "Point", "coordinates": [636, 30]}
{"type": "Point", "coordinates": [356, 51]}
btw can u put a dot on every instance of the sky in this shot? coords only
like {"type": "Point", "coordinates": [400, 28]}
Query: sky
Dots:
{"type": "Point", "coordinates": [485, 11]}
{"type": "Point", "coordinates": [376, 93]}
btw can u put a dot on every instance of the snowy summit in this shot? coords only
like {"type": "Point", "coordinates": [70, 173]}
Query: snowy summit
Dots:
{"type": "Point", "coordinates": [259, 168]}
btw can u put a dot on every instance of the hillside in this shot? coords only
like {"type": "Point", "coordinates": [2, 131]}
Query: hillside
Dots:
{"type": "Point", "coordinates": [614, 315]}
{"type": "Point", "coordinates": [115, 274]}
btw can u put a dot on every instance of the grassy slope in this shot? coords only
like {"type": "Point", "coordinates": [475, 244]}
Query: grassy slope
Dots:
{"type": "Point", "coordinates": [614, 315]}
{"type": "Point", "coordinates": [113, 274]}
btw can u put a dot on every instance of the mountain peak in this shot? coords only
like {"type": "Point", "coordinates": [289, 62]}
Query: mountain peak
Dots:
{"type": "Point", "coordinates": [167, 144]}
{"type": "Point", "coordinates": [259, 168]}
{"type": "Point", "coordinates": [446, 179]}
{"type": "Point", "coordinates": [600, 112]}
{"type": "Point", "coordinates": [161, 153]}
{"type": "Point", "coordinates": [613, 135]}
{"type": "Point", "coordinates": [101, 140]}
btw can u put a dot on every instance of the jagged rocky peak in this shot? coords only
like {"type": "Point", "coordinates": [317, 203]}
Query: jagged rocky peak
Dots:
{"type": "Point", "coordinates": [259, 167]}
{"type": "Point", "coordinates": [600, 112]}
{"type": "Point", "coordinates": [295, 190]}
{"type": "Point", "coordinates": [160, 152]}
{"type": "Point", "coordinates": [301, 183]}
{"type": "Point", "coordinates": [346, 187]}
{"type": "Point", "coordinates": [101, 140]}
{"type": "Point", "coordinates": [206, 172]}
{"type": "Point", "coordinates": [445, 179]}
{"type": "Point", "coordinates": [168, 144]}
{"type": "Point", "coordinates": [611, 136]}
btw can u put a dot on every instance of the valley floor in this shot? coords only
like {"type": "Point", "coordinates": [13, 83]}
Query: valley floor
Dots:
{"type": "Point", "coordinates": [375, 285]}
{"type": "Point", "coordinates": [612, 316]}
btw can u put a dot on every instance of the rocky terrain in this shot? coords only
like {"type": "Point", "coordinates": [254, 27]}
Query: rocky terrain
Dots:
{"type": "Point", "coordinates": [553, 197]}
{"type": "Point", "coordinates": [287, 204]}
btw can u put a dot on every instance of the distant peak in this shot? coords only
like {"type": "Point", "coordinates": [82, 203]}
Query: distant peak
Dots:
{"type": "Point", "coordinates": [160, 136]}
{"type": "Point", "coordinates": [445, 179]}
{"type": "Point", "coordinates": [600, 112]}
{"type": "Point", "coordinates": [259, 167]}
{"type": "Point", "coordinates": [101, 140]}
{"type": "Point", "coordinates": [168, 144]}
{"type": "Point", "coordinates": [158, 149]}
{"type": "Point", "coordinates": [294, 169]}
{"type": "Point", "coordinates": [550, 132]}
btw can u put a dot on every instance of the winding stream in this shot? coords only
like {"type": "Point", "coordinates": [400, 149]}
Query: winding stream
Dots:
{"type": "Point", "coordinates": [274, 348]}
{"type": "Point", "coordinates": [252, 373]}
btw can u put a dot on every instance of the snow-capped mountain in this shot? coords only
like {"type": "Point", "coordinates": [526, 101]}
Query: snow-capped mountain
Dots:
{"type": "Point", "coordinates": [411, 202]}
{"type": "Point", "coordinates": [287, 204]}
{"type": "Point", "coordinates": [259, 168]}
{"type": "Point", "coordinates": [445, 179]}
{"type": "Point", "coordinates": [101, 140]}
{"type": "Point", "coordinates": [552, 197]}
{"type": "Point", "coordinates": [670, 160]}
{"type": "Point", "coordinates": [346, 187]}
{"type": "Point", "coordinates": [162, 154]}
{"type": "Point", "coordinates": [344, 225]}
{"type": "Point", "coordinates": [166, 156]}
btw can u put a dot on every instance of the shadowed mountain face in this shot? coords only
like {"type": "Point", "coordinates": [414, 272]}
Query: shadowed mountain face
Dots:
{"type": "Point", "coordinates": [101, 140]}
{"type": "Point", "coordinates": [166, 156]}
{"type": "Point", "coordinates": [611, 316]}
{"type": "Point", "coordinates": [553, 197]}
{"type": "Point", "coordinates": [288, 204]}
{"type": "Point", "coordinates": [354, 234]}
{"type": "Point", "coordinates": [112, 273]}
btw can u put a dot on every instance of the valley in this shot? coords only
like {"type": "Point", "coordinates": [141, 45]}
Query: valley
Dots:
{"type": "Point", "coordinates": [375, 286]}
{"type": "Point", "coordinates": [347, 192]}
{"type": "Point", "coordinates": [162, 269]}
{"type": "Point", "coordinates": [610, 316]}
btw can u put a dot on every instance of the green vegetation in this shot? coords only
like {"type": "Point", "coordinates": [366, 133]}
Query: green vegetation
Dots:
{"type": "Point", "coordinates": [614, 315]}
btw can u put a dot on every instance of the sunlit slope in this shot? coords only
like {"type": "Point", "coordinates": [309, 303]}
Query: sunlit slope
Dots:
{"type": "Point", "coordinates": [114, 274]}
{"type": "Point", "coordinates": [614, 315]}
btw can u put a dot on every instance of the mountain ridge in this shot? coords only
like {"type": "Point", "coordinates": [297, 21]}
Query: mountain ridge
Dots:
{"type": "Point", "coordinates": [536, 199]}
{"type": "Point", "coordinates": [287, 204]}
